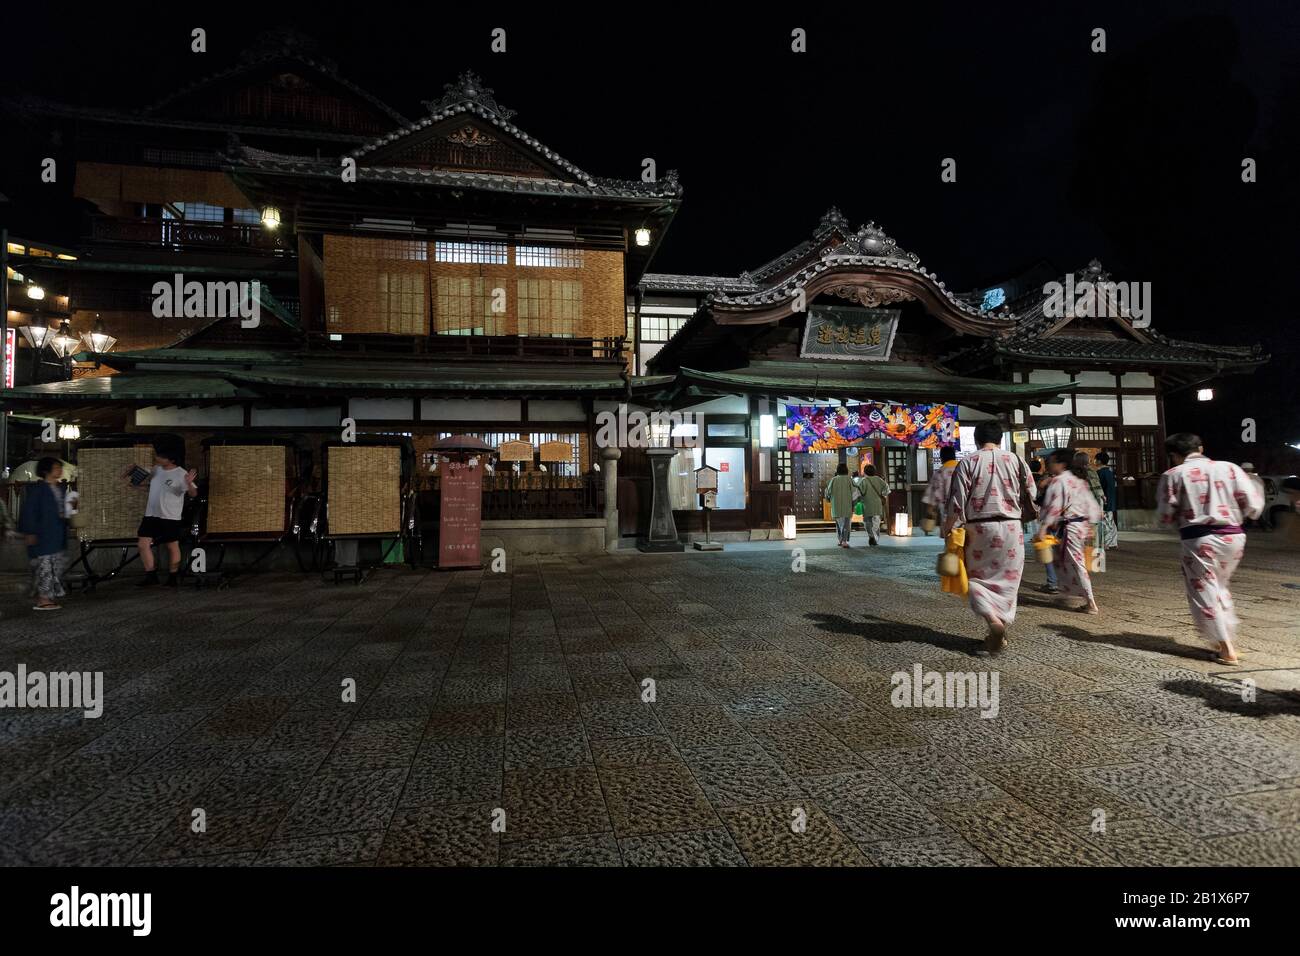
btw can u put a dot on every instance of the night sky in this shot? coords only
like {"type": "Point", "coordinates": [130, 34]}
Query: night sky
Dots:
{"type": "Point", "coordinates": [1132, 156]}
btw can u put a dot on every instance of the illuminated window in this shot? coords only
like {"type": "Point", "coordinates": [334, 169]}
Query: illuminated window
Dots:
{"type": "Point", "coordinates": [660, 328]}
{"type": "Point", "coordinates": [548, 257]}
{"type": "Point", "coordinates": [494, 253]}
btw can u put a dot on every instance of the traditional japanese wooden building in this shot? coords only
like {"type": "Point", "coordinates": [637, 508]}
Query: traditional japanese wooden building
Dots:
{"type": "Point", "coordinates": [847, 325]}
{"type": "Point", "coordinates": [453, 275]}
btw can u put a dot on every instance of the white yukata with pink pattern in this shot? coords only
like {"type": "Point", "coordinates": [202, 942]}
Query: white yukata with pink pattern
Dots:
{"type": "Point", "coordinates": [1201, 492]}
{"type": "Point", "coordinates": [988, 485]}
{"type": "Point", "coordinates": [937, 491]}
{"type": "Point", "coordinates": [1068, 496]}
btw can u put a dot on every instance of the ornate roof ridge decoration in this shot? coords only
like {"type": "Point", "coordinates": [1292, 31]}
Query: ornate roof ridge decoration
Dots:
{"type": "Point", "coordinates": [831, 221]}
{"type": "Point", "coordinates": [459, 102]}
{"type": "Point", "coordinates": [282, 44]}
{"type": "Point", "coordinates": [869, 246]}
{"type": "Point", "coordinates": [468, 88]}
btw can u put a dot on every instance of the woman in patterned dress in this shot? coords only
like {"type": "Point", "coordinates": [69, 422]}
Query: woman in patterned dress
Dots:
{"type": "Point", "coordinates": [1070, 509]}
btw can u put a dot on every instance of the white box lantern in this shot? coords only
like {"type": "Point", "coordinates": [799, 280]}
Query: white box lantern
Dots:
{"type": "Point", "coordinates": [788, 527]}
{"type": "Point", "coordinates": [903, 524]}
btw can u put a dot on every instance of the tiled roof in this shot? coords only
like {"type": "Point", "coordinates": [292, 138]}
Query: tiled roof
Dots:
{"type": "Point", "coordinates": [248, 157]}
{"type": "Point", "coordinates": [1128, 350]}
{"type": "Point", "coordinates": [663, 282]}
{"type": "Point", "coordinates": [468, 97]}
{"type": "Point", "coordinates": [280, 45]}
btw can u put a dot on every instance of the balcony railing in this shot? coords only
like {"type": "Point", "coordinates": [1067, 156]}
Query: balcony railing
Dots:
{"type": "Point", "coordinates": [181, 236]}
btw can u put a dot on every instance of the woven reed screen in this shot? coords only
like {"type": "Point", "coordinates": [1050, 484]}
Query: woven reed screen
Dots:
{"type": "Point", "coordinates": [246, 488]}
{"type": "Point", "coordinates": [156, 184]}
{"type": "Point", "coordinates": [365, 485]}
{"type": "Point", "coordinates": [112, 509]}
{"type": "Point", "coordinates": [399, 286]}
{"type": "Point", "coordinates": [376, 285]}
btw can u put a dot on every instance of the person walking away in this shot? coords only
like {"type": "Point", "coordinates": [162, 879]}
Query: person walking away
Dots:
{"type": "Point", "coordinates": [42, 521]}
{"type": "Point", "coordinates": [1110, 488]}
{"type": "Point", "coordinates": [936, 492]}
{"type": "Point", "coordinates": [875, 500]}
{"type": "Point", "coordinates": [1041, 481]}
{"type": "Point", "coordinates": [1262, 521]}
{"type": "Point", "coordinates": [841, 492]}
{"type": "Point", "coordinates": [1208, 500]}
{"type": "Point", "coordinates": [168, 487]}
{"type": "Point", "coordinates": [986, 499]}
{"type": "Point", "coordinates": [1070, 509]}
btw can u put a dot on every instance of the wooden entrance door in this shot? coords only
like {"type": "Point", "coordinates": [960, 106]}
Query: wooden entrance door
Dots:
{"type": "Point", "coordinates": [812, 470]}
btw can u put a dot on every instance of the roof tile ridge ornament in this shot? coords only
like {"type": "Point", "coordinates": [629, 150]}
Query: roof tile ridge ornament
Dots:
{"type": "Point", "coordinates": [468, 89]}
{"type": "Point", "coordinates": [833, 218]}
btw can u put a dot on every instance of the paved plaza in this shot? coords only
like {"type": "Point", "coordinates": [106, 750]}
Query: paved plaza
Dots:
{"type": "Point", "coordinates": [487, 700]}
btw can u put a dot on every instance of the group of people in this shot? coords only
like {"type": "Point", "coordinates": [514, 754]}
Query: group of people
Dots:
{"type": "Point", "coordinates": [44, 516]}
{"type": "Point", "coordinates": [844, 492]}
{"type": "Point", "coordinates": [993, 494]}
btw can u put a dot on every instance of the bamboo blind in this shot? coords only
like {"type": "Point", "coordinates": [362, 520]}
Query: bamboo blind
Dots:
{"type": "Point", "coordinates": [410, 286]}
{"type": "Point", "coordinates": [364, 489]}
{"type": "Point", "coordinates": [246, 489]}
{"type": "Point", "coordinates": [112, 509]}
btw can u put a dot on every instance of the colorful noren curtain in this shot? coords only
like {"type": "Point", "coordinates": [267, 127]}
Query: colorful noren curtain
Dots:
{"type": "Point", "coordinates": [825, 428]}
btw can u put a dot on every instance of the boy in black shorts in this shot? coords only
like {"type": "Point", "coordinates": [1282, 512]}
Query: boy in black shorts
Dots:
{"type": "Point", "coordinates": [168, 487]}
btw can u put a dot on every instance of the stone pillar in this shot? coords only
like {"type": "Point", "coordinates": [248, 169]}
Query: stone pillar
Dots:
{"type": "Point", "coordinates": [663, 530]}
{"type": "Point", "coordinates": [609, 469]}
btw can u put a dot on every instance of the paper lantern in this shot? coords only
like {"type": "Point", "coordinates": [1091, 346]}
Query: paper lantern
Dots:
{"type": "Point", "coordinates": [903, 524]}
{"type": "Point", "coordinates": [788, 525]}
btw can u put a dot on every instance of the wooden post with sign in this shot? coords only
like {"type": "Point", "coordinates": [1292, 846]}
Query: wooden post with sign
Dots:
{"type": "Point", "coordinates": [706, 485]}
{"type": "Point", "coordinates": [460, 501]}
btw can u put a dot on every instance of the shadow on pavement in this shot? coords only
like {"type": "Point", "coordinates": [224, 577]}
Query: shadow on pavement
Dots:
{"type": "Point", "coordinates": [1132, 641]}
{"type": "Point", "coordinates": [1267, 703]}
{"type": "Point", "coordinates": [893, 632]}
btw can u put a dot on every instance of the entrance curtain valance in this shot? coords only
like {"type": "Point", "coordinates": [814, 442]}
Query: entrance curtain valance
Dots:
{"type": "Point", "coordinates": [826, 428]}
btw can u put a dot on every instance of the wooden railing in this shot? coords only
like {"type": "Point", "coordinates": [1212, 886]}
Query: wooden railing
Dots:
{"type": "Point", "coordinates": [179, 235]}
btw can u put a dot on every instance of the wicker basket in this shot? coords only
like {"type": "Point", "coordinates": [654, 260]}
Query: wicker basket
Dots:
{"type": "Point", "coordinates": [364, 493]}
{"type": "Point", "coordinates": [113, 510]}
{"type": "Point", "coordinates": [246, 488]}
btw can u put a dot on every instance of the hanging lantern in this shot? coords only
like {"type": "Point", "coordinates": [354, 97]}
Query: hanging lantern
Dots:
{"type": "Point", "coordinates": [36, 333]}
{"type": "Point", "coordinates": [35, 292]}
{"type": "Point", "coordinates": [271, 217]}
{"type": "Point", "coordinates": [64, 341]}
{"type": "Point", "coordinates": [70, 432]}
{"type": "Point", "coordinates": [98, 341]}
{"type": "Point", "coordinates": [643, 236]}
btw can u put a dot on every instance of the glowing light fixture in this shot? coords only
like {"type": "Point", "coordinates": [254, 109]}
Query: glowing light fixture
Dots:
{"type": "Point", "coordinates": [767, 431]}
{"type": "Point", "coordinates": [97, 340]}
{"type": "Point", "coordinates": [271, 217]}
{"type": "Point", "coordinates": [643, 236]}
{"type": "Point", "coordinates": [788, 527]}
{"type": "Point", "coordinates": [37, 333]}
{"type": "Point", "coordinates": [64, 341]}
{"type": "Point", "coordinates": [35, 292]}
{"type": "Point", "coordinates": [70, 432]}
{"type": "Point", "coordinates": [903, 524]}
{"type": "Point", "coordinates": [1205, 394]}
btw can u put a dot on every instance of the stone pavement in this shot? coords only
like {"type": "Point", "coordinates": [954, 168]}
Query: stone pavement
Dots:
{"type": "Point", "coordinates": [521, 692]}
